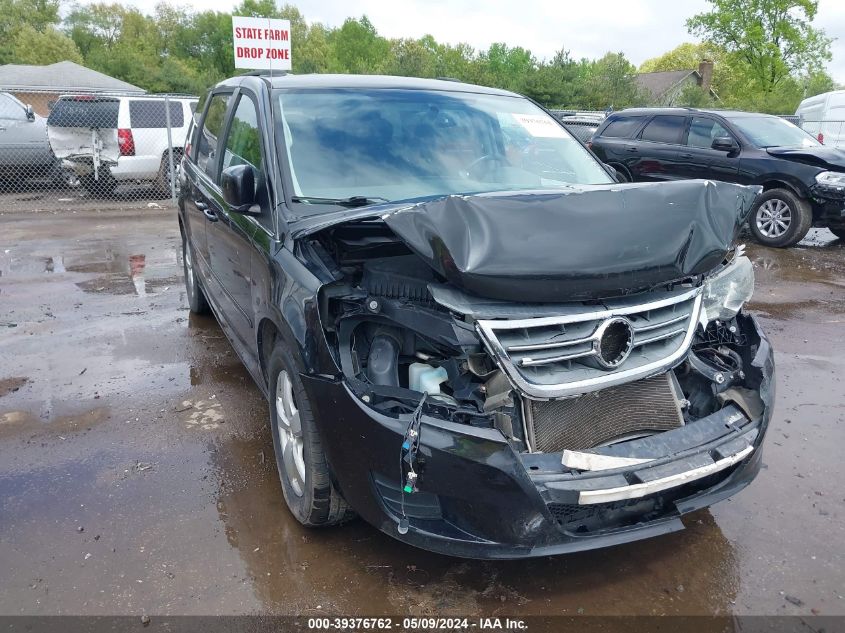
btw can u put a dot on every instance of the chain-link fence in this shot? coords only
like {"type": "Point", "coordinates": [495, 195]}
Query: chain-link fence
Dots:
{"type": "Point", "coordinates": [83, 150]}
{"type": "Point", "coordinates": [829, 131]}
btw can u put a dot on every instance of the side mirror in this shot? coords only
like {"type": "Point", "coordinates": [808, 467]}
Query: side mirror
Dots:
{"type": "Point", "coordinates": [614, 173]}
{"type": "Point", "coordinates": [238, 185]}
{"type": "Point", "coordinates": [30, 113]}
{"type": "Point", "coordinates": [724, 144]}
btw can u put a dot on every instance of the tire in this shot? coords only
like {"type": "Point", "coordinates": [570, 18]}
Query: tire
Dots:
{"type": "Point", "coordinates": [623, 172]}
{"type": "Point", "coordinates": [99, 188]}
{"type": "Point", "coordinates": [163, 178]}
{"type": "Point", "coordinates": [306, 482]}
{"type": "Point", "coordinates": [780, 218]}
{"type": "Point", "coordinates": [63, 178]}
{"type": "Point", "coordinates": [197, 303]}
{"type": "Point", "coordinates": [838, 231]}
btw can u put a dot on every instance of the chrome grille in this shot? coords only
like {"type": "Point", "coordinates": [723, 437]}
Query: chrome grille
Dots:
{"type": "Point", "coordinates": [561, 356]}
{"type": "Point", "coordinates": [597, 418]}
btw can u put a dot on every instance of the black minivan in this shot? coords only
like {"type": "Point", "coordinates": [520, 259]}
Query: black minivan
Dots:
{"type": "Point", "coordinates": [469, 333]}
{"type": "Point", "coordinates": [803, 181]}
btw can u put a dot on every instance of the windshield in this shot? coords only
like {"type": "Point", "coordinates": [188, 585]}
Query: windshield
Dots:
{"type": "Point", "coordinates": [403, 144]}
{"type": "Point", "coordinates": [770, 131]}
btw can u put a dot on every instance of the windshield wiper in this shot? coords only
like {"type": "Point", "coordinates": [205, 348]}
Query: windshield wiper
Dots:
{"type": "Point", "coordinates": [352, 201]}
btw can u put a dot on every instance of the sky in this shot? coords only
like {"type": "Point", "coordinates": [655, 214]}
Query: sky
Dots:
{"type": "Point", "coordinates": [639, 28]}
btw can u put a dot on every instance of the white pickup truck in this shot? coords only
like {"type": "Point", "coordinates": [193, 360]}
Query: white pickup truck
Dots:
{"type": "Point", "coordinates": [110, 140]}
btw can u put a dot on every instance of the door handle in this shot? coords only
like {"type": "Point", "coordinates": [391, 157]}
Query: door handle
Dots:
{"type": "Point", "coordinates": [686, 155]}
{"type": "Point", "coordinates": [202, 206]}
{"type": "Point", "coordinates": [210, 215]}
{"type": "Point", "coordinates": [631, 149]}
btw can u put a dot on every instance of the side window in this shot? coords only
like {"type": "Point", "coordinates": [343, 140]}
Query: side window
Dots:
{"type": "Point", "coordinates": [702, 131]}
{"type": "Point", "coordinates": [664, 129]}
{"type": "Point", "coordinates": [207, 138]}
{"type": "Point", "coordinates": [243, 147]}
{"type": "Point", "coordinates": [146, 114]}
{"type": "Point", "coordinates": [622, 127]}
{"type": "Point", "coordinates": [9, 109]}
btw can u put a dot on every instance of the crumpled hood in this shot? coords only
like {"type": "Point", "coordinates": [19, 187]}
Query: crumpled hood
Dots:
{"type": "Point", "coordinates": [822, 156]}
{"type": "Point", "coordinates": [586, 243]}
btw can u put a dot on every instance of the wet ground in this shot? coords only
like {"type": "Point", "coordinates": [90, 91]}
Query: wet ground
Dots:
{"type": "Point", "coordinates": [137, 476]}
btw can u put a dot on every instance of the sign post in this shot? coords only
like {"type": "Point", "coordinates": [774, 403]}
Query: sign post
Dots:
{"type": "Point", "coordinates": [261, 43]}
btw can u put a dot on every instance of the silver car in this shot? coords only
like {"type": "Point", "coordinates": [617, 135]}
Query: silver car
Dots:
{"type": "Point", "coordinates": [24, 149]}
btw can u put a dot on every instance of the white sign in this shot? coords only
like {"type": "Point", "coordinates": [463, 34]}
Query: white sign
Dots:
{"type": "Point", "coordinates": [540, 125]}
{"type": "Point", "coordinates": [261, 43]}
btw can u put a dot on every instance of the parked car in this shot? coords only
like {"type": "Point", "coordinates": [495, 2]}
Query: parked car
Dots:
{"type": "Point", "coordinates": [823, 116]}
{"type": "Point", "coordinates": [24, 150]}
{"type": "Point", "coordinates": [582, 127]}
{"type": "Point", "coordinates": [119, 139]}
{"type": "Point", "coordinates": [803, 181]}
{"type": "Point", "coordinates": [482, 351]}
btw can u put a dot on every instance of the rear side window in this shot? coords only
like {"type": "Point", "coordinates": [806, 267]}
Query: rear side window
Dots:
{"type": "Point", "coordinates": [664, 129]}
{"type": "Point", "coordinates": [9, 109]}
{"type": "Point", "coordinates": [150, 114]}
{"type": "Point", "coordinates": [622, 127]}
{"type": "Point", "coordinates": [90, 112]}
{"type": "Point", "coordinates": [208, 135]}
{"type": "Point", "coordinates": [703, 131]}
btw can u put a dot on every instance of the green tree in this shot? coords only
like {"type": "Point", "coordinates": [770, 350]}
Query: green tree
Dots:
{"type": "Point", "coordinates": [358, 48]}
{"type": "Point", "coordinates": [506, 67]}
{"type": "Point", "coordinates": [17, 15]}
{"type": "Point", "coordinates": [773, 39]}
{"type": "Point", "coordinates": [43, 47]}
{"type": "Point", "coordinates": [611, 82]}
{"type": "Point", "coordinates": [412, 58]}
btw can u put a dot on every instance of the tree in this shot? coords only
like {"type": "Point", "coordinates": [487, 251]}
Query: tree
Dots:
{"type": "Point", "coordinates": [29, 15]}
{"type": "Point", "coordinates": [43, 47]}
{"type": "Point", "coordinates": [773, 39]}
{"type": "Point", "coordinates": [611, 82]}
{"type": "Point", "coordinates": [358, 48]}
{"type": "Point", "coordinates": [506, 67]}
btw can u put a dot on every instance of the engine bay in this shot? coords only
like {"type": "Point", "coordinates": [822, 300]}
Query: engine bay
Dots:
{"type": "Point", "coordinates": [393, 342]}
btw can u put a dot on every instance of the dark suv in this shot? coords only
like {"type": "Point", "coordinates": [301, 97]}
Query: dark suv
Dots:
{"type": "Point", "coordinates": [468, 332]}
{"type": "Point", "coordinates": [803, 181]}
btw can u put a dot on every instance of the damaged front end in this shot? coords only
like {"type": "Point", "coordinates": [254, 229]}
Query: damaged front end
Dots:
{"type": "Point", "coordinates": [620, 392]}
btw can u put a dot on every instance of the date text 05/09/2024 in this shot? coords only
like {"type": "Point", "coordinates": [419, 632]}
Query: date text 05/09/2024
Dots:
{"type": "Point", "coordinates": [415, 624]}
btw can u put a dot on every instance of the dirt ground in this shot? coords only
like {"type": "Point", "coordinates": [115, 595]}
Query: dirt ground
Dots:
{"type": "Point", "coordinates": [137, 474]}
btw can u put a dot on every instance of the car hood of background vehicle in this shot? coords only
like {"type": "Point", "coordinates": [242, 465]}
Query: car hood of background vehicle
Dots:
{"type": "Point", "coordinates": [585, 243]}
{"type": "Point", "coordinates": [825, 157]}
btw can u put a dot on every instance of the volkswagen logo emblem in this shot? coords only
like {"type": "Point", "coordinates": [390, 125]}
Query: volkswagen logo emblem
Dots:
{"type": "Point", "coordinates": [614, 341]}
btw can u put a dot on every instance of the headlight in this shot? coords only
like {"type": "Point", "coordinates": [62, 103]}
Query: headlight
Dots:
{"type": "Point", "coordinates": [728, 291]}
{"type": "Point", "coordinates": [831, 179]}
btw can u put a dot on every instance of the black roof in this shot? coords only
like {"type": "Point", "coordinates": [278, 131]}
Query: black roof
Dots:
{"type": "Point", "coordinates": [728, 114]}
{"type": "Point", "coordinates": [317, 81]}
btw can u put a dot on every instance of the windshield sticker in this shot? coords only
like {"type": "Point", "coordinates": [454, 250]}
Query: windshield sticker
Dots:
{"type": "Point", "coordinates": [540, 126]}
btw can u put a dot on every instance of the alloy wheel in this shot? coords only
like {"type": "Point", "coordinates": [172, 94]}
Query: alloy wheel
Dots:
{"type": "Point", "coordinates": [774, 217]}
{"type": "Point", "coordinates": [290, 433]}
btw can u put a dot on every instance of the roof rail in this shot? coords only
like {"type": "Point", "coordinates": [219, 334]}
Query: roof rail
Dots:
{"type": "Point", "coordinates": [272, 72]}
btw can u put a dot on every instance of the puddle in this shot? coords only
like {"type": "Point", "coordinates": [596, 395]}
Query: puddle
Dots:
{"type": "Point", "coordinates": [11, 385]}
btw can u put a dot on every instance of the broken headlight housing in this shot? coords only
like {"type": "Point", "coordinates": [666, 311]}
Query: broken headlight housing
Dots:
{"type": "Point", "coordinates": [725, 293]}
{"type": "Point", "coordinates": [831, 179]}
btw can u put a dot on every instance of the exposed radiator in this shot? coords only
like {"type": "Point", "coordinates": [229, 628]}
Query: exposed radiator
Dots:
{"type": "Point", "coordinates": [602, 416]}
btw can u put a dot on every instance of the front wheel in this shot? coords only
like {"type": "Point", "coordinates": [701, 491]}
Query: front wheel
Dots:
{"type": "Point", "coordinates": [780, 218]}
{"type": "Point", "coordinates": [303, 469]}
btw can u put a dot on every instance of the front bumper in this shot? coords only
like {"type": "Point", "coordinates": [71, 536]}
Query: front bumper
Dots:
{"type": "Point", "coordinates": [479, 498]}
